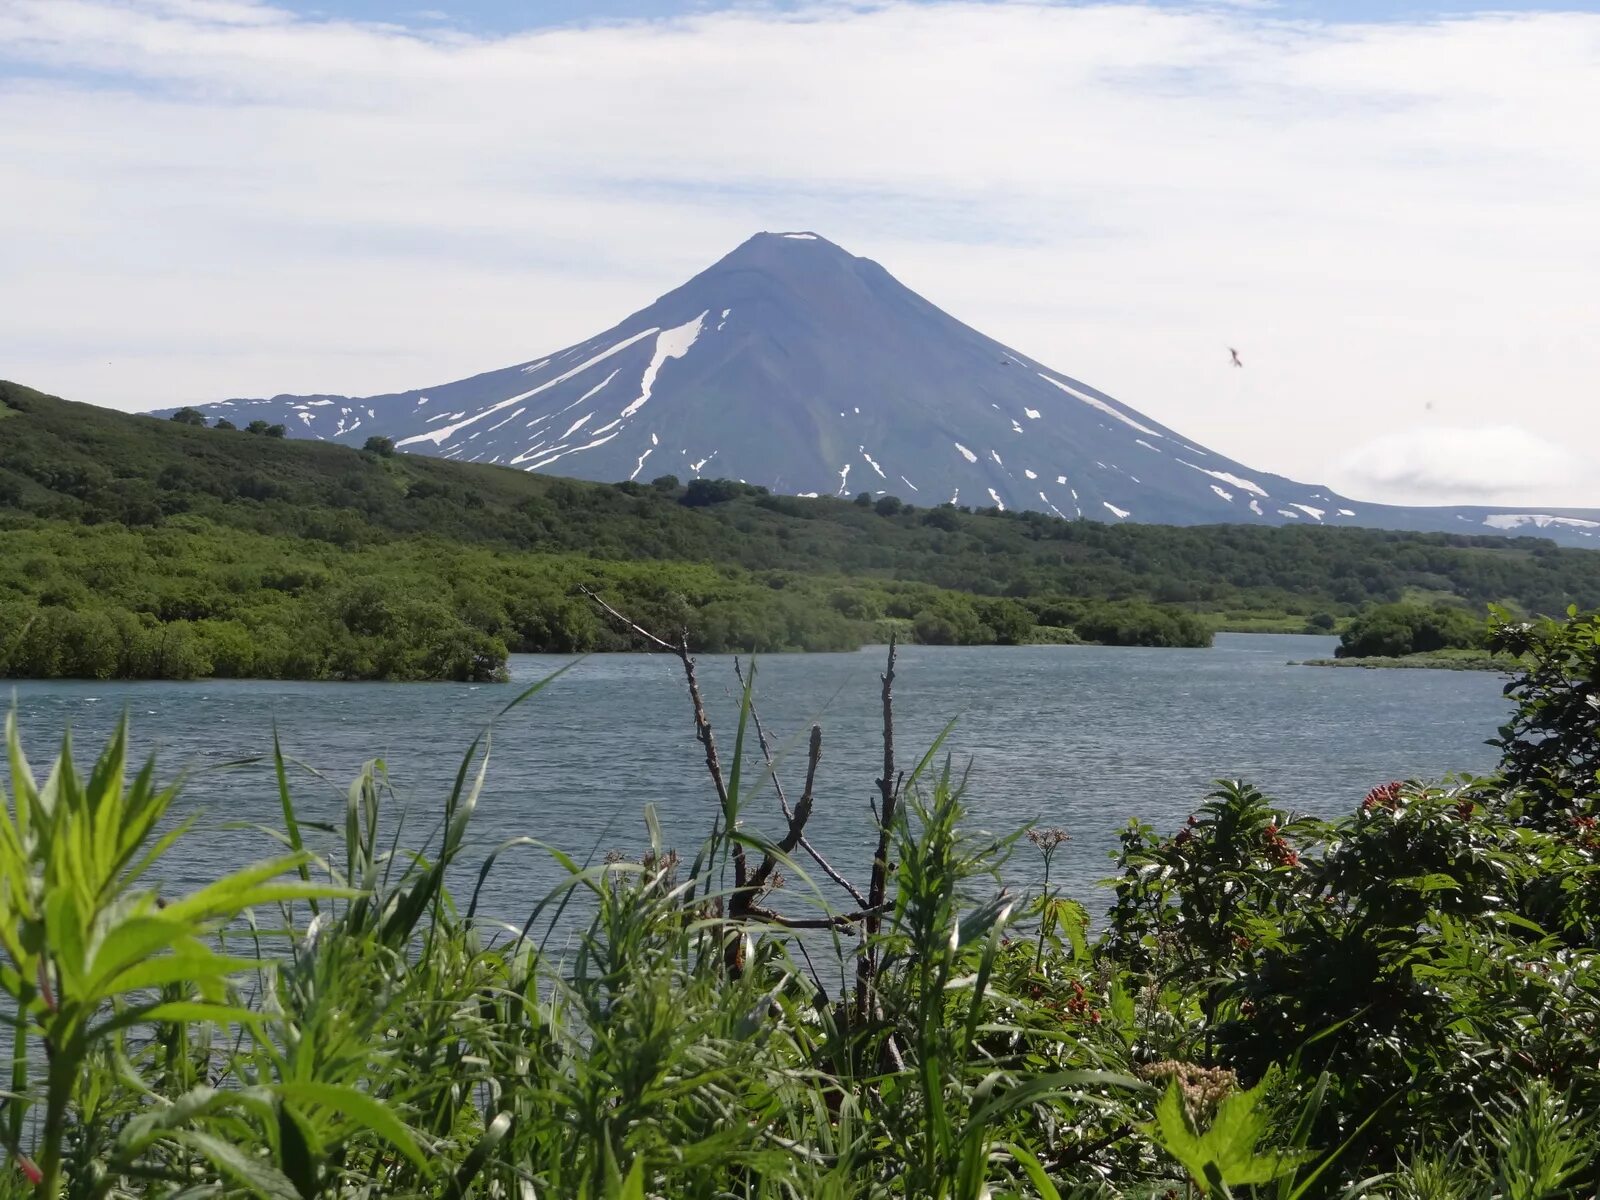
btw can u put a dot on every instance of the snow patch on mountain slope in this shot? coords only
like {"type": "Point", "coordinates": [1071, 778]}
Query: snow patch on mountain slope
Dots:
{"type": "Point", "coordinates": [965, 453]}
{"type": "Point", "coordinates": [438, 436]}
{"type": "Point", "coordinates": [543, 462]}
{"type": "Point", "coordinates": [671, 343]}
{"type": "Point", "coordinates": [1120, 512]}
{"type": "Point", "coordinates": [1538, 520]}
{"type": "Point", "coordinates": [1244, 484]}
{"type": "Point", "coordinates": [596, 389]}
{"type": "Point", "coordinates": [1309, 511]}
{"type": "Point", "coordinates": [1095, 402]}
{"type": "Point", "coordinates": [1225, 495]}
{"type": "Point", "coordinates": [998, 503]}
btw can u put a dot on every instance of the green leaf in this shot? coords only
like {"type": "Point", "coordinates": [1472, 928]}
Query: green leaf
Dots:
{"type": "Point", "coordinates": [178, 1012]}
{"type": "Point", "coordinates": [473, 1163]}
{"type": "Point", "coordinates": [1224, 1157]}
{"type": "Point", "coordinates": [1032, 1168]}
{"type": "Point", "coordinates": [365, 1110]}
{"type": "Point", "coordinates": [633, 1185]}
{"type": "Point", "coordinates": [260, 1176]}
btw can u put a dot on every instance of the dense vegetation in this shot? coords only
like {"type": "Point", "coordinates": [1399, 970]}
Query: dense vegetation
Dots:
{"type": "Point", "coordinates": [187, 600]}
{"type": "Point", "coordinates": [1405, 1002]}
{"type": "Point", "coordinates": [135, 547]}
{"type": "Point", "coordinates": [77, 462]}
{"type": "Point", "coordinates": [1394, 630]}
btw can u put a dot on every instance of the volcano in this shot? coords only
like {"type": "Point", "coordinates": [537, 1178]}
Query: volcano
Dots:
{"type": "Point", "coordinates": [796, 365]}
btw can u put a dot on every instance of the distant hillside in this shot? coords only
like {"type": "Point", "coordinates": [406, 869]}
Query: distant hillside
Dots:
{"type": "Point", "coordinates": [794, 364]}
{"type": "Point", "coordinates": [84, 464]}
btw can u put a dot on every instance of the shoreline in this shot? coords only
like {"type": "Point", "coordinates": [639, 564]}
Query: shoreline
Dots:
{"type": "Point", "coordinates": [1419, 662]}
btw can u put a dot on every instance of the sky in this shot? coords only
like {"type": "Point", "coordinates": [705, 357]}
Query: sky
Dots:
{"type": "Point", "coordinates": [1388, 208]}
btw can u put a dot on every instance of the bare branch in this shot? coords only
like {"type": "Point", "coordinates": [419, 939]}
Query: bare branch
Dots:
{"type": "Point", "coordinates": [702, 723]}
{"type": "Point", "coordinates": [796, 821]}
{"type": "Point", "coordinates": [638, 629]}
{"type": "Point", "coordinates": [831, 873]}
{"type": "Point", "coordinates": [837, 921]}
{"type": "Point", "coordinates": [802, 810]}
{"type": "Point", "coordinates": [889, 791]}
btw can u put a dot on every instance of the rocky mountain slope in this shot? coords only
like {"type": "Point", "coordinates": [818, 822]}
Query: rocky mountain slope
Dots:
{"type": "Point", "coordinates": [793, 364]}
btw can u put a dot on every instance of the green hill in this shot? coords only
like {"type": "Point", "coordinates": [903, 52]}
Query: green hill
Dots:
{"type": "Point", "coordinates": [135, 546]}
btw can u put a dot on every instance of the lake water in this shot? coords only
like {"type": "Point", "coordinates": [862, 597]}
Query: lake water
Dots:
{"type": "Point", "coordinates": [1081, 737]}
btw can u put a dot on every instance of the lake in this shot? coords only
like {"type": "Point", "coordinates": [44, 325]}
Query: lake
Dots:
{"type": "Point", "coordinates": [1081, 737]}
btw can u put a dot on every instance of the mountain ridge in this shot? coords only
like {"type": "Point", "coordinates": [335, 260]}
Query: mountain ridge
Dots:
{"type": "Point", "coordinates": [793, 364]}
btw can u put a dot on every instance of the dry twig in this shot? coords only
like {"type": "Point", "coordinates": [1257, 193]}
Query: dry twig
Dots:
{"type": "Point", "coordinates": [742, 902]}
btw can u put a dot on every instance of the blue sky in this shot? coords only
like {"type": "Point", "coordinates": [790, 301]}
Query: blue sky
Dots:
{"type": "Point", "coordinates": [1391, 214]}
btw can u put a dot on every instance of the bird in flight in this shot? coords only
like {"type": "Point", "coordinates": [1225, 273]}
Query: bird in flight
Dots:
{"type": "Point", "coordinates": [1235, 355]}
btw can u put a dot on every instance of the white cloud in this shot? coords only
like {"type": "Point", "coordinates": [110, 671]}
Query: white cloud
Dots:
{"type": "Point", "coordinates": [1501, 464]}
{"type": "Point", "coordinates": [212, 197]}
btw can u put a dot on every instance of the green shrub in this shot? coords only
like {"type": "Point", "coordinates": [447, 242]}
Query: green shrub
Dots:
{"type": "Point", "coordinates": [1393, 630]}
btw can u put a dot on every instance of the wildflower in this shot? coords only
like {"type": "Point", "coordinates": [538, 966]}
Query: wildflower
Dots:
{"type": "Point", "coordinates": [1048, 839]}
{"type": "Point", "coordinates": [29, 1168]}
{"type": "Point", "coordinates": [1385, 795]}
{"type": "Point", "coordinates": [1202, 1088]}
{"type": "Point", "coordinates": [1078, 1004]}
{"type": "Point", "coordinates": [1278, 849]}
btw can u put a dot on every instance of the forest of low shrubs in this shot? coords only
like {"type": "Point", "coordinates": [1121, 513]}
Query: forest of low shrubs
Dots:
{"type": "Point", "coordinates": [189, 600]}
{"type": "Point", "coordinates": [82, 465]}
{"type": "Point", "coordinates": [1396, 630]}
{"type": "Point", "coordinates": [1403, 1002]}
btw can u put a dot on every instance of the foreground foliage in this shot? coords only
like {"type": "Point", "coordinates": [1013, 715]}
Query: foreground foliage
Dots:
{"type": "Point", "coordinates": [1405, 1001]}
